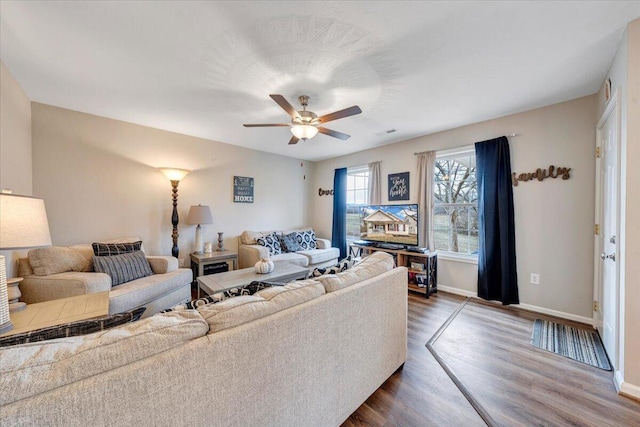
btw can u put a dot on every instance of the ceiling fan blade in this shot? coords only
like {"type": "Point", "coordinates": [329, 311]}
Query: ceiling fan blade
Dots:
{"type": "Point", "coordinates": [294, 140]}
{"type": "Point", "coordinates": [333, 133]}
{"type": "Point", "coordinates": [285, 105]}
{"type": "Point", "coordinates": [351, 111]}
{"type": "Point", "coordinates": [264, 125]}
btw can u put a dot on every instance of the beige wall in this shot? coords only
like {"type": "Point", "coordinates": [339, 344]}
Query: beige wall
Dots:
{"type": "Point", "coordinates": [15, 135]}
{"type": "Point", "coordinates": [99, 180]}
{"type": "Point", "coordinates": [554, 218]}
{"type": "Point", "coordinates": [15, 145]}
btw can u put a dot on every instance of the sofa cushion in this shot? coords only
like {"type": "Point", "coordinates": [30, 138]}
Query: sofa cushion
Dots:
{"type": "Point", "coordinates": [318, 256]}
{"type": "Point", "coordinates": [140, 292]}
{"type": "Point", "coordinates": [161, 264]}
{"type": "Point", "coordinates": [270, 242]}
{"type": "Point", "coordinates": [369, 267]}
{"type": "Point", "coordinates": [59, 259]}
{"type": "Point", "coordinates": [292, 257]}
{"type": "Point", "coordinates": [239, 310]}
{"type": "Point", "coordinates": [30, 369]}
{"type": "Point", "coordinates": [108, 249]}
{"type": "Point", "coordinates": [124, 267]}
{"type": "Point", "coordinates": [73, 329]}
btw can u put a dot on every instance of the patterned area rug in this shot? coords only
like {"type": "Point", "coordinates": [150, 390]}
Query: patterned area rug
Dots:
{"type": "Point", "coordinates": [577, 344]}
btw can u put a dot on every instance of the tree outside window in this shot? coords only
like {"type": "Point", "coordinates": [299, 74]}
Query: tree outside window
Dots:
{"type": "Point", "coordinates": [456, 203]}
{"type": "Point", "coordinates": [357, 196]}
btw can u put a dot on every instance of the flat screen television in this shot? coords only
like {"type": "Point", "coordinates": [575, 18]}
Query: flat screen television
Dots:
{"type": "Point", "coordinates": [389, 224]}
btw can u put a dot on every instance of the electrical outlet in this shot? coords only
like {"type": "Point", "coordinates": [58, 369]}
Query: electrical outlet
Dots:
{"type": "Point", "coordinates": [535, 279]}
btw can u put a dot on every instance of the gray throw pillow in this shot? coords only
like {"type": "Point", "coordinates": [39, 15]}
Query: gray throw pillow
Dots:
{"type": "Point", "coordinates": [124, 267]}
{"type": "Point", "coordinates": [289, 242]}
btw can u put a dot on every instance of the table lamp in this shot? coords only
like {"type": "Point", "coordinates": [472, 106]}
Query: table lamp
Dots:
{"type": "Point", "coordinates": [199, 215]}
{"type": "Point", "coordinates": [23, 224]}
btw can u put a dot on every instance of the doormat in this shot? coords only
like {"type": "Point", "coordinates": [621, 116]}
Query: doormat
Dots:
{"type": "Point", "coordinates": [577, 344]}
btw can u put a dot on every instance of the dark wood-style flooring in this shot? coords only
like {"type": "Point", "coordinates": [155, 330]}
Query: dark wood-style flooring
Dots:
{"type": "Point", "coordinates": [488, 348]}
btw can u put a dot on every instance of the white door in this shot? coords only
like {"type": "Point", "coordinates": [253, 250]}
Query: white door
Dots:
{"type": "Point", "coordinates": [607, 243]}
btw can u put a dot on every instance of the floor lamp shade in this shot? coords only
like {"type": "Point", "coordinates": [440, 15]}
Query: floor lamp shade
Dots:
{"type": "Point", "coordinates": [199, 215]}
{"type": "Point", "coordinates": [23, 224]}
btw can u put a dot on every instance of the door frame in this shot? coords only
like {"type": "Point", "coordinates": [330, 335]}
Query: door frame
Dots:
{"type": "Point", "coordinates": [612, 109]}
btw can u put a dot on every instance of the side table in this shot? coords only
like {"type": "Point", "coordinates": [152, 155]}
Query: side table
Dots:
{"type": "Point", "coordinates": [199, 262]}
{"type": "Point", "coordinates": [59, 311]}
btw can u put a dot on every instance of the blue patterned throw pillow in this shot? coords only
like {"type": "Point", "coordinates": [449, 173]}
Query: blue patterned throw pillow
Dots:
{"type": "Point", "coordinates": [124, 267]}
{"type": "Point", "coordinates": [306, 239]}
{"type": "Point", "coordinates": [271, 242]}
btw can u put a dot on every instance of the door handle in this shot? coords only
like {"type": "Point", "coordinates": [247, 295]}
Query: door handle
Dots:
{"type": "Point", "coordinates": [612, 240]}
{"type": "Point", "coordinates": [612, 256]}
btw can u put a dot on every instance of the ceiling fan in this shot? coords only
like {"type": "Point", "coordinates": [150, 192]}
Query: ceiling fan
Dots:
{"type": "Point", "coordinates": [304, 124]}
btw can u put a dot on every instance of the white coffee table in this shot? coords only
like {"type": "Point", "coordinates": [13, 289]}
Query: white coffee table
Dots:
{"type": "Point", "coordinates": [282, 272]}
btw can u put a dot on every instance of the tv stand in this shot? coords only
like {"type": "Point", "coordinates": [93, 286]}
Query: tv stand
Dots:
{"type": "Point", "coordinates": [423, 267]}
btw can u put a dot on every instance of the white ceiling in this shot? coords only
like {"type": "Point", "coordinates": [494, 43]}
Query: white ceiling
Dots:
{"type": "Point", "coordinates": [205, 68]}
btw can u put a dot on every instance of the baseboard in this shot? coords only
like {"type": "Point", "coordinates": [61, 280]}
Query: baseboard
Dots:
{"type": "Point", "coordinates": [457, 291]}
{"type": "Point", "coordinates": [529, 307]}
{"type": "Point", "coordinates": [555, 313]}
{"type": "Point", "coordinates": [629, 390]}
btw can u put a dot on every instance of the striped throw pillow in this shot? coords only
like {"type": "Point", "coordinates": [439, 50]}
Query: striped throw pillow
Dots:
{"type": "Point", "coordinates": [124, 267]}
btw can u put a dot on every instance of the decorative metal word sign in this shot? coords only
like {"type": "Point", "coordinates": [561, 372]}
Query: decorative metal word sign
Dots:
{"type": "Point", "coordinates": [541, 174]}
{"type": "Point", "coordinates": [322, 192]}
{"type": "Point", "coordinates": [242, 189]}
{"type": "Point", "coordinates": [398, 186]}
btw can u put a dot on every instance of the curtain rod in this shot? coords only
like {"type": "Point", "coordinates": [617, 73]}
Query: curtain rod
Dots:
{"type": "Point", "coordinates": [422, 152]}
{"type": "Point", "coordinates": [365, 165]}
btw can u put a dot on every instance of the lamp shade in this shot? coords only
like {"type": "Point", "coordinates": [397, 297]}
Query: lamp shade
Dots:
{"type": "Point", "coordinates": [199, 215]}
{"type": "Point", "coordinates": [174, 174]}
{"type": "Point", "coordinates": [23, 222]}
{"type": "Point", "coordinates": [304, 131]}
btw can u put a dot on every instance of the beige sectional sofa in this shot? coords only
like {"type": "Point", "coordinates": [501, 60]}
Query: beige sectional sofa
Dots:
{"type": "Point", "coordinates": [63, 272]}
{"type": "Point", "coordinates": [250, 252]}
{"type": "Point", "coordinates": [306, 354]}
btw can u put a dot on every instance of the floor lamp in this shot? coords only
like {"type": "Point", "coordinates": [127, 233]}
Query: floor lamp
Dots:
{"type": "Point", "coordinates": [23, 224]}
{"type": "Point", "coordinates": [175, 176]}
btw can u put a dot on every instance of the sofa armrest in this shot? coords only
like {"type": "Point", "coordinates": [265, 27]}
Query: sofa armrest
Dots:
{"type": "Point", "coordinates": [163, 264]}
{"type": "Point", "coordinates": [248, 255]}
{"type": "Point", "coordinates": [62, 285]}
{"type": "Point", "coordinates": [323, 243]}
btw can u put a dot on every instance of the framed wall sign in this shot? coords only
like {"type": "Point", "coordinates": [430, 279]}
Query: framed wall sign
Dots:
{"type": "Point", "coordinates": [242, 189]}
{"type": "Point", "coordinates": [398, 186]}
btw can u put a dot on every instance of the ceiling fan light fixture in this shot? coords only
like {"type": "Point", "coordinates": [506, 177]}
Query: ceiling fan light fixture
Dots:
{"type": "Point", "coordinates": [304, 131]}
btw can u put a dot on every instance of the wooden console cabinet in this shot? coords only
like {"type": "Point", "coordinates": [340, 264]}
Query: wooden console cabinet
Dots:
{"type": "Point", "coordinates": [423, 280]}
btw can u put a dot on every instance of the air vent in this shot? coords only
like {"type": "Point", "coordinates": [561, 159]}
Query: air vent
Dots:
{"type": "Point", "coordinates": [385, 132]}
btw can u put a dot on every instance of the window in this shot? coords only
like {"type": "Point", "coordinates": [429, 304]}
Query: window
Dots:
{"type": "Point", "coordinates": [455, 193]}
{"type": "Point", "coordinates": [357, 196]}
